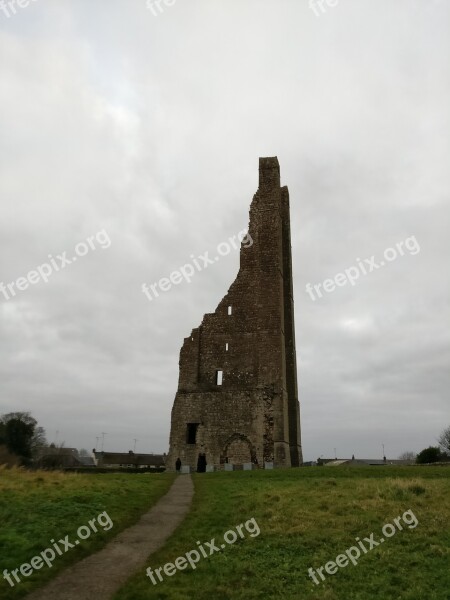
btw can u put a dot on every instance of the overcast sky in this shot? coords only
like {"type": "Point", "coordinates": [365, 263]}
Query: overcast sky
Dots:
{"type": "Point", "coordinates": [148, 129]}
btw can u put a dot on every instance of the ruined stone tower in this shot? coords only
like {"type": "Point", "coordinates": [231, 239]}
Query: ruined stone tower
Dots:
{"type": "Point", "coordinates": [237, 392]}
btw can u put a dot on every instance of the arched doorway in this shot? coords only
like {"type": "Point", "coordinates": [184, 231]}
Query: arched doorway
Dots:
{"type": "Point", "coordinates": [238, 450]}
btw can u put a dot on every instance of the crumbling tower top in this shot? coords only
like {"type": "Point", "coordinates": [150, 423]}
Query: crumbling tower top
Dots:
{"type": "Point", "coordinates": [269, 172]}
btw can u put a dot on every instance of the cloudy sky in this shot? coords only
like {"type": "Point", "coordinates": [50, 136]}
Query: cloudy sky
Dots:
{"type": "Point", "coordinates": [144, 128]}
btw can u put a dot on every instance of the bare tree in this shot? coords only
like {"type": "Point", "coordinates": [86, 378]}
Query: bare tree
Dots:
{"type": "Point", "coordinates": [408, 455]}
{"type": "Point", "coordinates": [38, 441]}
{"type": "Point", "coordinates": [444, 440]}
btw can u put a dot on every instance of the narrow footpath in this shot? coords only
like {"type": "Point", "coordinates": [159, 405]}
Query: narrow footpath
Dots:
{"type": "Point", "coordinates": [100, 575]}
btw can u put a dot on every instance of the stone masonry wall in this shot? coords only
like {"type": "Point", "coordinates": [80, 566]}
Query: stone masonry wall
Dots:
{"type": "Point", "coordinates": [253, 412]}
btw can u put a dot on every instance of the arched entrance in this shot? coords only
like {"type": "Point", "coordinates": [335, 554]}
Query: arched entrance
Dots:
{"type": "Point", "coordinates": [238, 450]}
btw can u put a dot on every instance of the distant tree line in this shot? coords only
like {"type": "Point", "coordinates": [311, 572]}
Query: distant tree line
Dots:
{"type": "Point", "coordinates": [432, 454]}
{"type": "Point", "coordinates": [22, 442]}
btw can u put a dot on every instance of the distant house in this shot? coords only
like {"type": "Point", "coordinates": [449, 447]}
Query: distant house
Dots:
{"type": "Point", "coordinates": [362, 462]}
{"type": "Point", "coordinates": [337, 463]}
{"type": "Point", "coordinates": [87, 461]}
{"type": "Point", "coordinates": [128, 460]}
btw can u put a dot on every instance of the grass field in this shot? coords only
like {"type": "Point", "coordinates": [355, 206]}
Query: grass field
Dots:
{"type": "Point", "coordinates": [36, 507]}
{"type": "Point", "coordinates": [307, 517]}
{"type": "Point", "coordinates": [293, 520]}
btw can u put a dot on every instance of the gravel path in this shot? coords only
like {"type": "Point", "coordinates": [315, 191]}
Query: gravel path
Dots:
{"type": "Point", "coordinates": [100, 575]}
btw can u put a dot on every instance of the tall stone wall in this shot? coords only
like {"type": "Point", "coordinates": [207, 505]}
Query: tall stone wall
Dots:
{"type": "Point", "coordinates": [252, 414]}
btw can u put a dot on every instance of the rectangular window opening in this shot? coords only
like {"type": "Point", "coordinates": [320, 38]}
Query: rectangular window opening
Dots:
{"type": "Point", "coordinates": [191, 434]}
{"type": "Point", "coordinates": [219, 377]}
{"type": "Point", "coordinates": [226, 347]}
{"type": "Point", "coordinates": [230, 310]}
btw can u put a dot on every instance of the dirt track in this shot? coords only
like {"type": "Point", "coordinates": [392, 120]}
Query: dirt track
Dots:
{"type": "Point", "coordinates": [100, 575]}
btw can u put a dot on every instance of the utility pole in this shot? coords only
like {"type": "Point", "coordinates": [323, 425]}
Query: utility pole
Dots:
{"type": "Point", "coordinates": [335, 455]}
{"type": "Point", "coordinates": [103, 438]}
{"type": "Point", "coordinates": [135, 442]}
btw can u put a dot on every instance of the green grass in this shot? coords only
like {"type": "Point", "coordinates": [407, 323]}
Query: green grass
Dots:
{"type": "Point", "coordinates": [36, 507]}
{"type": "Point", "coordinates": [307, 517]}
